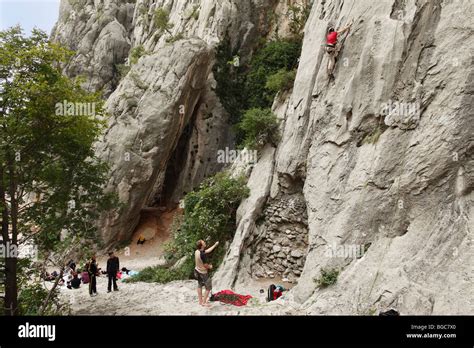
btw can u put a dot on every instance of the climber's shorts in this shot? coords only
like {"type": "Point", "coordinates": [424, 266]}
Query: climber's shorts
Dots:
{"type": "Point", "coordinates": [330, 49]}
{"type": "Point", "coordinates": [203, 280]}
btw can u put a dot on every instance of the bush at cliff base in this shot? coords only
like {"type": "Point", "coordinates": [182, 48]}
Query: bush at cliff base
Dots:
{"type": "Point", "coordinates": [209, 214]}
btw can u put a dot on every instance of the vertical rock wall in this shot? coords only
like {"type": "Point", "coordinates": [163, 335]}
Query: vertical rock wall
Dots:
{"type": "Point", "coordinates": [385, 152]}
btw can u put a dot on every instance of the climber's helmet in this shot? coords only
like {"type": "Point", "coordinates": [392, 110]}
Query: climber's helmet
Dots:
{"type": "Point", "coordinates": [331, 29]}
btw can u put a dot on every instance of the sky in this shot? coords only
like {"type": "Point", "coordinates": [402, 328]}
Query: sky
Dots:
{"type": "Point", "coordinates": [29, 13]}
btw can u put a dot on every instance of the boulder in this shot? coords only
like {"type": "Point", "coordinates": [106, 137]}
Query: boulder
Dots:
{"type": "Point", "coordinates": [179, 263]}
{"type": "Point", "coordinates": [297, 254]}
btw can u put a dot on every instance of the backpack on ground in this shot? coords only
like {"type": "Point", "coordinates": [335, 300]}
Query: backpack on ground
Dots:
{"type": "Point", "coordinates": [271, 290]}
{"type": "Point", "coordinates": [274, 292]}
{"type": "Point", "coordinates": [390, 313]}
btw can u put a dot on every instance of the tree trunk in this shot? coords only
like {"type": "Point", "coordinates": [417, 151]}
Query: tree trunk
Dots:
{"type": "Point", "coordinates": [11, 288]}
{"type": "Point", "coordinates": [50, 294]}
{"type": "Point", "coordinates": [10, 303]}
{"type": "Point", "coordinates": [11, 263]}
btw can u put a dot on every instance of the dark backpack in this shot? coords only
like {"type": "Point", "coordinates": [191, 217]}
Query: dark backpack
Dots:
{"type": "Point", "coordinates": [271, 289]}
{"type": "Point", "coordinates": [390, 313]}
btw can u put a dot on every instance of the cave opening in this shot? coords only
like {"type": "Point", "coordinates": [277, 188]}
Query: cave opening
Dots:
{"type": "Point", "coordinates": [157, 217]}
{"type": "Point", "coordinates": [176, 164]}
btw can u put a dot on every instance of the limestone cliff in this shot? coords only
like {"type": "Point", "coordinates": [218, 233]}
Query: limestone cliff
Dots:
{"type": "Point", "coordinates": [378, 159]}
{"type": "Point", "coordinates": [399, 184]}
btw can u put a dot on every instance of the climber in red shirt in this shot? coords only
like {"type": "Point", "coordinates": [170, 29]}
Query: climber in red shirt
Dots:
{"type": "Point", "coordinates": [332, 48]}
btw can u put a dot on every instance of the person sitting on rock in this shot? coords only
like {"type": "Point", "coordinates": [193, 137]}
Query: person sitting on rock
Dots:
{"type": "Point", "coordinates": [48, 277]}
{"type": "Point", "coordinates": [75, 282]}
{"type": "Point", "coordinates": [141, 239]}
{"type": "Point", "coordinates": [332, 47]}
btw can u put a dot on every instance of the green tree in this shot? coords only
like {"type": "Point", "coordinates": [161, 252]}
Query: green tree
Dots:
{"type": "Point", "coordinates": [230, 81]}
{"type": "Point", "coordinates": [327, 277]}
{"type": "Point", "coordinates": [246, 85]}
{"type": "Point", "coordinates": [260, 126]}
{"type": "Point", "coordinates": [162, 20]}
{"type": "Point", "coordinates": [274, 56]}
{"type": "Point", "coordinates": [282, 80]}
{"type": "Point", "coordinates": [298, 14]}
{"type": "Point", "coordinates": [136, 53]}
{"type": "Point", "coordinates": [50, 179]}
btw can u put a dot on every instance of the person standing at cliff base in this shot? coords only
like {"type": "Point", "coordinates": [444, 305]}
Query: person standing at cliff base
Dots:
{"type": "Point", "coordinates": [93, 270]}
{"type": "Point", "coordinates": [113, 266]}
{"type": "Point", "coordinates": [201, 272]}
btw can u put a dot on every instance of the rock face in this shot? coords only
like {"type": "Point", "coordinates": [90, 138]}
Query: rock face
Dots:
{"type": "Point", "coordinates": [248, 212]}
{"type": "Point", "coordinates": [163, 104]}
{"type": "Point", "coordinates": [385, 152]}
{"type": "Point", "coordinates": [98, 32]}
{"type": "Point", "coordinates": [374, 173]}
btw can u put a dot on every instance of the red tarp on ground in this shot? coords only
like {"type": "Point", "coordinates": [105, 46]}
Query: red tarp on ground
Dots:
{"type": "Point", "coordinates": [228, 296]}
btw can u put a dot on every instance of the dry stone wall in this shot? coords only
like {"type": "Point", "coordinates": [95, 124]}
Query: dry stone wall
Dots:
{"type": "Point", "coordinates": [283, 238]}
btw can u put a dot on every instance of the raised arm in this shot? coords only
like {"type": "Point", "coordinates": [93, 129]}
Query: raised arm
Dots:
{"type": "Point", "coordinates": [346, 28]}
{"type": "Point", "coordinates": [207, 251]}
